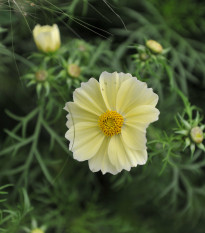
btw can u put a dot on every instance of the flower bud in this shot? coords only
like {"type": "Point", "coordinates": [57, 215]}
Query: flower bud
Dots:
{"type": "Point", "coordinates": [82, 48]}
{"type": "Point", "coordinates": [37, 230]}
{"type": "Point", "coordinates": [41, 75]}
{"type": "Point", "coordinates": [144, 56]}
{"type": "Point", "coordinates": [154, 46]}
{"type": "Point", "coordinates": [74, 70]}
{"type": "Point", "coordinates": [47, 38]}
{"type": "Point", "coordinates": [196, 135]}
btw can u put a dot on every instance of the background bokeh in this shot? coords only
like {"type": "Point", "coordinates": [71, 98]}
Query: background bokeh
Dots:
{"type": "Point", "coordinates": [48, 189]}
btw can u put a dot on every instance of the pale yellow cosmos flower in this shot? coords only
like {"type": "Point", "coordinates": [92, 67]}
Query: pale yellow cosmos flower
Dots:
{"type": "Point", "coordinates": [47, 38]}
{"type": "Point", "coordinates": [107, 122]}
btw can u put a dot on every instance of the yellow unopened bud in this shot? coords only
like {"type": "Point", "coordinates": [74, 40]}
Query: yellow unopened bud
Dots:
{"type": "Point", "coordinates": [41, 75]}
{"type": "Point", "coordinates": [74, 70]}
{"type": "Point", "coordinates": [37, 230]}
{"type": "Point", "coordinates": [47, 38]}
{"type": "Point", "coordinates": [197, 134]}
{"type": "Point", "coordinates": [154, 46]}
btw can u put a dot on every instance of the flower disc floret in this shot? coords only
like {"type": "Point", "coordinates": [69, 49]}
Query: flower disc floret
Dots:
{"type": "Point", "coordinates": [111, 123]}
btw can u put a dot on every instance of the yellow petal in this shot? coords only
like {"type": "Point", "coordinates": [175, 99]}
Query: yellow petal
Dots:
{"type": "Point", "coordinates": [117, 154]}
{"type": "Point", "coordinates": [85, 140]}
{"type": "Point", "coordinates": [44, 41]}
{"type": "Point", "coordinates": [141, 156]}
{"type": "Point", "coordinates": [134, 93]}
{"type": "Point", "coordinates": [101, 160]}
{"type": "Point", "coordinates": [124, 157]}
{"type": "Point", "coordinates": [78, 114]}
{"type": "Point", "coordinates": [109, 86]}
{"type": "Point", "coordinates": [142, 114]}
{"type": "Point", "coordinates": [135, 156]}
{"type": "Point", "coordinates": [56, 37]}
{"type": "Point", "coordinates": [133, 137]}
{"type": "Point", "coordinates": [89, 97]}
{"type": "Point", "coordinates": [124, 76]}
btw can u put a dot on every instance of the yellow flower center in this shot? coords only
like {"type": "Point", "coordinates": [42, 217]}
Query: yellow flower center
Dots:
{"type": "Point", "coordinates": [110, 123]}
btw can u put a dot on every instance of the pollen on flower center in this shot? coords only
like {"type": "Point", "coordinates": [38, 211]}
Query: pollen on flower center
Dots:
{"type": "Point", "coordinates": [110, 123]}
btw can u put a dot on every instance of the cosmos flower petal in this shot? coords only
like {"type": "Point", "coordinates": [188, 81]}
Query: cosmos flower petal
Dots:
{"type": "Point", "coordinates": [89, 97]}
{"type": "Point", "coordinates": [85, 140]}
{"type": "Point", "coordinates": [101, 160]}
{"type": "Point", "coordinates": [136, 93]}
{"type": "Point", "coordinates": [109, 86]}
{"type": "Point", "coordinates": [123, 76]}
{"type": "Point", "coordinates": [131, 156]}
{"type": "Point", "coordinates": [133, 137]}
{"type": "Point", "coordinates": [78, 114]}
{"type": "Point", "coordinates": [136, 157]}
{"type": "Point", "coordinates": [142, 114]}
{"type": "Point", "coordinates": [141, 156]}
{"type": "Point", "coordinates": [123, 156]}
{"type": "Point", "coordinates": [117, 154]}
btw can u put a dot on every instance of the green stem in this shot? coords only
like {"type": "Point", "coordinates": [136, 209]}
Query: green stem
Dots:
{"type": "Point", "coordinates": [33, 147]}
{"type": "Point", "coordinates": [55, 136]}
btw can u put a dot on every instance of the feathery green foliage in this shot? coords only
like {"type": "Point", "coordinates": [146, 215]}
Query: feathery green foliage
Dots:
{"type": "Point", "coordinates": [41, 185]}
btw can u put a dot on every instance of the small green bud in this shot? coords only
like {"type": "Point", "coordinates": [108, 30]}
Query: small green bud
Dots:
{"type": "Point", "coordinates": [197, 135]}
{"type": "Point", "coordinates": [41, 75]}
{"type": "Point", "coordinates": [82, 48]}
{"type": "Point", "coordinates": [74, 70]}
{"type": "Point", "coordinates": [154, 46]}
{"type": "Point", "coordinates": [144, 56]}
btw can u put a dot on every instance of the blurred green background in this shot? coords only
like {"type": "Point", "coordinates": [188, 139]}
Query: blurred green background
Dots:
{"type": "Point", "coordinates": [54, 190]}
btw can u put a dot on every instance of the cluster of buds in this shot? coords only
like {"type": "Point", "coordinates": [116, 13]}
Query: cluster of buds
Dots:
{"type": "Point", "coordinates": [150, 50]}
{"type": "Point", "coordinates": [49, 72]}
{"type": "Point", "coordinates": [151, 57]}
